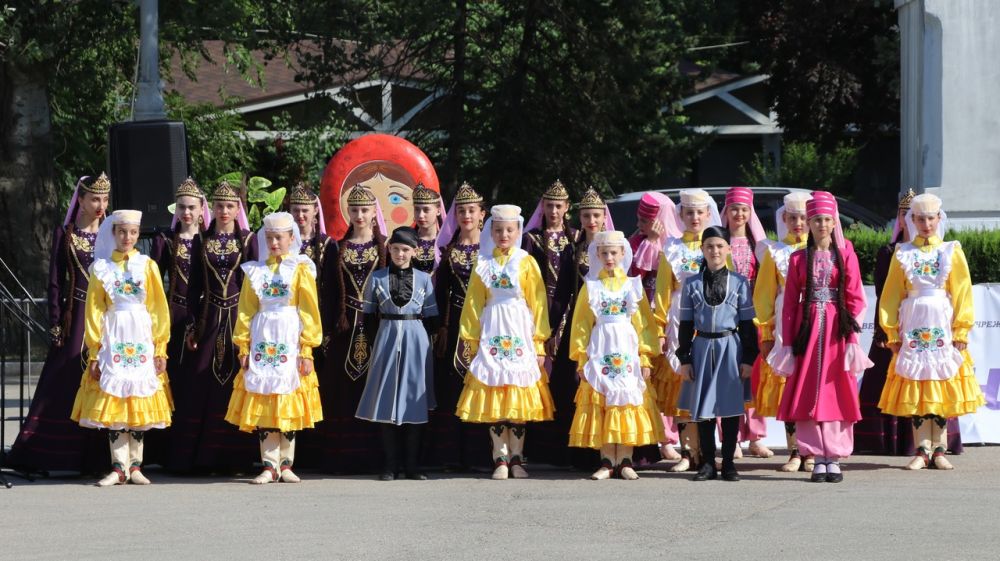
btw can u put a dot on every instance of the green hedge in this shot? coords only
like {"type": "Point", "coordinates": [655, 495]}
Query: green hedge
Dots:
{"type": "Point", "coordinates": [982, 250]}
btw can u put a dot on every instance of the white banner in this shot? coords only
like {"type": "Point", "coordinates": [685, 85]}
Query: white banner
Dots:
{"type": "Point", "coordinates": [984, 346]}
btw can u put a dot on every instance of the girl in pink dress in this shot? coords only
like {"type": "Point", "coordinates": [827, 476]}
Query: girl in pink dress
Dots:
{"type": "Point", "coordinates": [821, 356]}
{"type": "Point", "coordinates": [748, 242]}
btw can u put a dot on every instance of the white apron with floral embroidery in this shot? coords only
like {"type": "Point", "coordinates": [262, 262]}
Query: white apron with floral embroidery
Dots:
{"type": "Point", "coordinates": [126, 353]}
{"type": "Point", "coordinates": [684, 263]}
{"type": "Point", "coordinates": [613, 367]}
{"type": "Point", "coordinates": [506, 355]}
{"type": "Point", "coordinates": [925, 316]}
{"type": "Point", "coordinates": [780, 254]}
{"type": "Point", "coordinates": [275, 330]}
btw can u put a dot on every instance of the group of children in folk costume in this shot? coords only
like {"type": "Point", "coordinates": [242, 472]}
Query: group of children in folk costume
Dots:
{"type": "Point", "coordinates": [262, 379]}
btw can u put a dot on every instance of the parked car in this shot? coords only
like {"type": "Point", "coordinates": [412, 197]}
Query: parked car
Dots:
{"type": "Point", "coordinates": [766, 200]}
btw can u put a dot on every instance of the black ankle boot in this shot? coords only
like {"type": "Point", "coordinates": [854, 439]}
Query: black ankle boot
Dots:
{"type": "Point", "coordinates": [729, 472]}
{"type": "Point", "coordinates": [706, 472]}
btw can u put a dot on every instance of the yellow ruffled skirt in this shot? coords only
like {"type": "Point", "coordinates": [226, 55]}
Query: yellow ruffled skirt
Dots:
{"type": "Point", "coordinates": [294, 411]}
{"type": "Point", "coordinates": [479, 403]}
{"type": "Point", "coordinates": [93, 408]}
{"type": "Point", "coordinates": [667, 388]}
{"type": "Point", "coordinates": [769, 388]}
{"type": "Point", "coordinates": [595, 424]}
{"type": "Point", "coordinates": [956, 396]}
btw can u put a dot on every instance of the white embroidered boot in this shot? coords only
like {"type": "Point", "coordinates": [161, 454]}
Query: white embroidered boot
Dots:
{"type": "Point", "coordinates": [118, 439]}
{"type": "Point", "coordinates": [515, 436]}
{"type": "Point", "coordinates": [684, 435]}
{"type": "Point", "coordinates": [135, 474]}
{"type": "Point", "coordinates": [794, 459]}
{"type": "Point", "coordinates": [501, 451]}
{"type": "Point", "coordinates": [270, 456]}
{"type": "Point", "coordinates": [607, 463]}
{"type": "Point", "coordinates": [757, 448]}
{"type": "Point", "coordinates": [921, 443]}
{"type": "Point", "coordinates": [287, 452]}
{"type": "Point", "coordinates": [939, 439]}
{"type": "Point", "coordinates": [625, 470]}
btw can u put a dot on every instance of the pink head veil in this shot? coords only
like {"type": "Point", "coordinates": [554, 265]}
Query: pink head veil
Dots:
{"type": "Point", "coordinates": [744, 196]}
{"type": "Point", "coordinates": [823, 203]}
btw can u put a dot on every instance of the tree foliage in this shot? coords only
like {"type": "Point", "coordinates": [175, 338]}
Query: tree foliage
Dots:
{"type": "Point", "coordinates": [584, 91]}
{"type": "Point", "coordinates": [834, 66]}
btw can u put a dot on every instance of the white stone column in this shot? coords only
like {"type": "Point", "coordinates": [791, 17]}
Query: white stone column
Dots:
{"type": "Point", "coordinates": [950, 105]}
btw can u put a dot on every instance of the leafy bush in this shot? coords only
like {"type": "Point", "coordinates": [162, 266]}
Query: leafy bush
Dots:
{"type": "Point", "coordinates": [981, 247]}
{"type": "Point", "coordinates": [804, 165]}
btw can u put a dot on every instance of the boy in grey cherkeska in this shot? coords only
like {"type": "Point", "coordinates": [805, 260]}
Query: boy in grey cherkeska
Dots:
{"type": "Point", "coordinates": [718, 346]}
{"type": "Point", "coordinates": [399, 389]}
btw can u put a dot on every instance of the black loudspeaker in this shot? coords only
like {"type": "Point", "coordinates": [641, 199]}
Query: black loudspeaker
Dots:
{"type": "Point", "coordinates": [148, 160]}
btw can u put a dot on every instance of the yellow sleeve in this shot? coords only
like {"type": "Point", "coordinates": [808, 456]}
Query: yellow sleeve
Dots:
{"type": "Point", "coordinates": [469, 326]}
{"type": "Point", "coordinates": [249, 304]}
{"type": "Point", "coordinates": [159, 311]}
{"type": "Point", "coordinates": [96, 305]}
{"type": "Point", "coordinates": [583, 324]}
{"type": "Point", "coordinates": [765, 293]}
{"type": "Point", "coordinates": [959, 286]}
{"type": "Point", "coordinates": [648, 342]}
{"type": "Point", "coordinates": [307, 302]}
{"type": "Point", "coordinates": [533, 286]}
{"type": "Point", "coordinates": [664, 288]}
{"type": "Point", "coordinates": [892, 296]}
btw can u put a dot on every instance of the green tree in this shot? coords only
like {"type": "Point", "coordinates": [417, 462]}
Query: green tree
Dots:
{"type": "Point", "coordinates": [66, 72]}
{"type": "Point", "coordinates": [584, 91]}
{"type": "Point", "coordinates": [834, 66]}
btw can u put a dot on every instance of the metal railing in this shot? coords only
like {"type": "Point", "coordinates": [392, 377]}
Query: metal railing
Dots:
{"type": "Point", "coordinates": [23, 338]}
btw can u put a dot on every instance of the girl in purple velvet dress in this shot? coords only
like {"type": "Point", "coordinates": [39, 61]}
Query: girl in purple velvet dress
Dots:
{"type": "Point", "coordinates": [49, 440]}
{"type": "Point", "coordinates": [201, 439]}
{"type": "Point", "coordinates": [455, 445]}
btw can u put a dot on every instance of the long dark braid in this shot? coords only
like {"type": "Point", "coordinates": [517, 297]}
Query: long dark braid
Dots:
{"type": "Point", "coordinates": [805, 328]}
{"type": "Point", "coordinates": [846, 322]}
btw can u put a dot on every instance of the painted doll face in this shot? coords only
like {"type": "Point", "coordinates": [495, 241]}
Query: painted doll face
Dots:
{"type": "Point", "coordinates": [395, 197]}
{"type": "Point", "coordinates": [694, 218]}
{"type": "Point", "coordinates": [470, 216]}
{"type": "Point", "coordinates": [795, 222]}
{"type": "Point", "coordinates": [401, 254]}
{"type": "Point", "coordinates": [426, 216]}
{"type": "Point", "coordinates": [278, 242]}
{"type": "Point", "coordinates": [927, 224]}
{"type": "Point", "coordinates": [125, 237]}
{"type": "Point", "coordinates": [93, 206]}
{"type": "Point", "coordinates": [611, 256]}
{"type": "Point", "coordinates": [505, 234]}
{"type": "Point", "coordinates": [304, 215]}
{"type": "Point", "coordinates": [225, 212]}
{"type": "Point", "coordinates": [592, 219]}
{"type": "Point", "coordinates": [361, 216]}
{"type": "Point", "coordinates": [738, 215]}
{"type": "Point", "coordinates": [715, 250]}
{"type": "Point", "coordinates": [188, 210]}
{"type": "Point", "coordinates": [554, 212]}
{"type": "Point", "coordinates": [821, 226]}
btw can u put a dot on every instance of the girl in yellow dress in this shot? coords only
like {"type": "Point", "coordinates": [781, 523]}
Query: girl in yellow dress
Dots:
{"type": "Point", "coordinates": [768, 298]}
{"type": "Point", "coordinates": [681, 259]}
{"type": "Point", "coordinates": [926, 311]}
{"type": "Point", "coordinates": [276, 392]}
{"type": "Point", "coordinates": [505, 324]}
{"type": "Point", "coordinates": [124, 388]}
{"type": "Point", "coordinates": [613, 340]}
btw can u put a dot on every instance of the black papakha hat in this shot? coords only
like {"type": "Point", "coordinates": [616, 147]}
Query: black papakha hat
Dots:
{"type": "Point", "coordinates": [404, 235]}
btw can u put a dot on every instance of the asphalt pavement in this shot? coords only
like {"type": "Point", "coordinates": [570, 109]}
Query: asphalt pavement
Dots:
{"type": "Point", "coordinates": [879, 512]}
